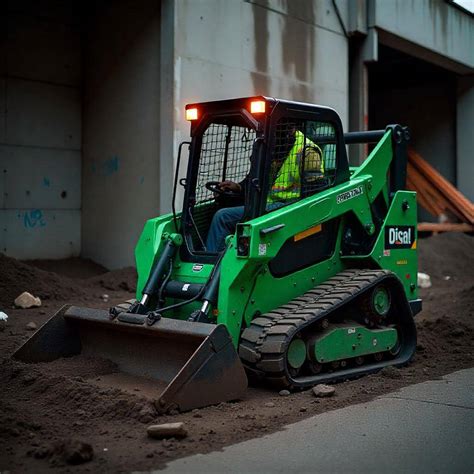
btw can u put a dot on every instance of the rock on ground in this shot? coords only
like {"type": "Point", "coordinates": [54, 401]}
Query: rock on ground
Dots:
{"type": "Point", "coordinates": [424, 280]}
{"type": "Point", "coordinates": [77, 452]}
{"type": "Point", "coordinates": [167, 430]}
{"type": "Point", "coordinates": [31, 326]}
{"type": "Point", "coordinates": [284, 393]}
{"type": "Point", "coordinates": [321, 390]}
{"type": "Point", "coordinates": [27, 300]}
{"type": "Point", "coordinates": [390, 373]}
{"type": "Point", "coordinates": [69, 451]}
{"type": "Point", "coordinates": [3, 320]}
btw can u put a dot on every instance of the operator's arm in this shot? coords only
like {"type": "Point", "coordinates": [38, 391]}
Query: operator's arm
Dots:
{"type": "Point", "coordinates": [231, 186]}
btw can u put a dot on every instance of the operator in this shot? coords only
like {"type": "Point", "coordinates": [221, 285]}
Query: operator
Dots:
{"type": "Point", "coordinates": [286, 186]}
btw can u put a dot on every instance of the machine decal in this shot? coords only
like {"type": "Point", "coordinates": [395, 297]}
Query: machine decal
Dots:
{"type": "Point", "coordinates": [262, 249]}
{"type": "Point", "coordinates": [400, 237]}
{"type": "Point", "coordinates": [349, 194]}
{"type": "Point", "coordinates": [197, 267]}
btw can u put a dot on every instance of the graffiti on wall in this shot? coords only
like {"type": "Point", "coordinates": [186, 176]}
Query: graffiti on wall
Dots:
{"type": "Point", "coordinates": [33, 219]}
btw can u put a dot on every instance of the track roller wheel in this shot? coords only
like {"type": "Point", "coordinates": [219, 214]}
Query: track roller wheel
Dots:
{"type": "Point", "coordinates": [324, 323]}
{"type": "Point", "coordinates": [295, 356]}
{"type": "Point", "coordinates": [395, 350]}
{"type": "Point", "coordinates": [315, 368]}
{"type": "Point", "coordinates": [378, 356]}
{"type": "Point", "coordinates": [376, 305]}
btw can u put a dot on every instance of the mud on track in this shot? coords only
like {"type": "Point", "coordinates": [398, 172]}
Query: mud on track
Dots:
{"type": "Point", "coordinates": [43, 405]}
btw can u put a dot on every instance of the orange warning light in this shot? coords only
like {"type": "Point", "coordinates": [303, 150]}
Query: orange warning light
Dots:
{"type": "Point", "coordinates": [191, 114]}
{"type": "Point", "coordinates": [257, 107]}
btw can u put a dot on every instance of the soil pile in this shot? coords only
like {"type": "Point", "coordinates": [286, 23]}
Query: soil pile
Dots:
{"type": "Point", "coordinates": [73, 279]}
{"type": "Point", "coordinates": [123, 279]}
{"type": "Point", "coordinates": [17, 277]}
{"type": "Point", "coordinates": [447, 255]}
{"type": "Point", "coordinates": [73, 267]}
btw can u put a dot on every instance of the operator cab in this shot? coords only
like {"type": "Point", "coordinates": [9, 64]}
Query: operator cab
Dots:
{"type": "Point", "coordinates": [279, 152]}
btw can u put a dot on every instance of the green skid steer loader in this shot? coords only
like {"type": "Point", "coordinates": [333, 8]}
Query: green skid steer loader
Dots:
{"type": "Point", "coordinates": [314, 279]}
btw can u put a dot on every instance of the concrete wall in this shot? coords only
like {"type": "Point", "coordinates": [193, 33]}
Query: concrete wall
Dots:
{"type": "Point", "coordinates": [433, 30]}
{"type": "Point", "coordinates": [121, 178]}
{"type": "Point", "coordinates": [40, 129]}
{"type": "Point", "coordinates": [288, 49]}
{"type": "Point", "coordinates": [465, 136]}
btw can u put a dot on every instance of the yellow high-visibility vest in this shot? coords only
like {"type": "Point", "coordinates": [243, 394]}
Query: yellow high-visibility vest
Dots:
{"type": "Point", "coordinates": [287, 185]}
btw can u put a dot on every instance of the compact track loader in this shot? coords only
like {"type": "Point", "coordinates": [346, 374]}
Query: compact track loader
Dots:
{"type": "Point", "coordinates": [316, 282]}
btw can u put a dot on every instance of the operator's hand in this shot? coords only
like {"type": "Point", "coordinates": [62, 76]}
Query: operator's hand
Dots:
{"type": "Point", "coordinates": [231, 186]}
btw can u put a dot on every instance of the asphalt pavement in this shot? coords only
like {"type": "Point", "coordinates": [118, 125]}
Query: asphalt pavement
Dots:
{"type": "Point", "coordinates": [427, 427]}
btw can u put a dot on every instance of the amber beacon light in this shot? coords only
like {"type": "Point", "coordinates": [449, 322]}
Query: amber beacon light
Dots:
{"type": "Point", "coordinates": [191, 114]}
{"type": "Point", "coordinates": [257, 107]}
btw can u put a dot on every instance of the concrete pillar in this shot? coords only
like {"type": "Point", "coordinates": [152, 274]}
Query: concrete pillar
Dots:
{"type": "Point", "coordinates": [465, 136]}
{"type": "Point", "coordinates": [363, 50]}
{"type": "Point", "coordinates": [121, 160]}
{"type": "Point", "coordinates": [167, 101]}
{"type": "Point", "coordinates": [358, 98]}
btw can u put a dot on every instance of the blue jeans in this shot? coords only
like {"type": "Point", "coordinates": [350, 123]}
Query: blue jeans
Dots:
{"type": "Point", "coordinates": [223, 224]}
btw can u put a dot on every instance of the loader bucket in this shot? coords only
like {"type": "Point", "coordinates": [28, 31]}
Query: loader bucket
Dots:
{"type": "Point", "coordinates": [191, 364]}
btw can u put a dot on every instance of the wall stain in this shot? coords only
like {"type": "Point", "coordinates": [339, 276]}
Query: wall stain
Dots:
{"type": "Point", "coordinates": [298, 39]}
{"type": "Point", "coordinates": [261, 80]}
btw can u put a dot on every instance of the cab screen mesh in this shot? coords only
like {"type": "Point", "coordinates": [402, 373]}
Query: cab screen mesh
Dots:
{"type": "Point", "coordinates": [225, 155]}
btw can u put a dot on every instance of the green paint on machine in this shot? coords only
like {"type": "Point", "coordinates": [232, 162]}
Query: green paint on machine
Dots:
{"type": "Point", "coordinates": [296, 353]}
{"type": "Point", "coordinates": [352, 341]}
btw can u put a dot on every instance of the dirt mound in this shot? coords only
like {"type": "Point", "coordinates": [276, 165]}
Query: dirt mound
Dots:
{"type": "Point", "coordinates": [77, 394]}
{"type": "Point", "coordinates": [73, 267]}
{"type": "Point", "coordinates": [123, 279]}
{"type": "Point", "coordinates": [71, 279]}
{"type": "Point", "coordinates": [447, 255]}
{"type": "Point", "coordinates": [17, 277]}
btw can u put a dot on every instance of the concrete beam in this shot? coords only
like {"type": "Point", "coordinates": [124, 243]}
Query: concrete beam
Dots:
{"type": "Point", "coordinates": [432, 30]}
{"type": "Point", "coordinates": [357, 17]}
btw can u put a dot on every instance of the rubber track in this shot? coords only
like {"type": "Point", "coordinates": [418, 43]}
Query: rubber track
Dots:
{"type": "Point", "coordinates": [264, 343]}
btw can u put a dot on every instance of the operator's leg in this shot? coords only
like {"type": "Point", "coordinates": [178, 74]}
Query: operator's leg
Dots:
{"type": "Point", "coordinates": [223, 223]}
